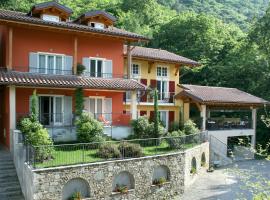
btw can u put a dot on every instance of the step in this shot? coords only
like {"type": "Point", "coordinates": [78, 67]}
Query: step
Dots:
{"type": "Point", "coordinates": [9, 166]}
{"type": "Point", "coordinates": [6, 162]}
{"type": "Point", "coordinates": [11, 194]}
{"type": "Point", "coordinates": [8, 171]}
{"type": "Point", "coordinates": [9, 183]}
{"type": "Point", "coordinates": [10, 188]}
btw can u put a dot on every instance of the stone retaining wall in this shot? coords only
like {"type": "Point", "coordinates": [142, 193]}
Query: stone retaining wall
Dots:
{"type": "Point", "coordinates": [49, 183]}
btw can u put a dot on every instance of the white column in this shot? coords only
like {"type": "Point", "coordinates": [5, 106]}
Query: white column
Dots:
{"type": "Point", "coordinates": [133, 104]}
{"type": "Point", "coordinates": [12, 113]}
{"type": "Point", "coordinates": [203, 115]}
{"type": "Point", "coordinates": [254, 124]}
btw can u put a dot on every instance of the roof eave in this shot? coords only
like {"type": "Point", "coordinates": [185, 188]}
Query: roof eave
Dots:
{"type": "Point", "coordinates": [129, 38]}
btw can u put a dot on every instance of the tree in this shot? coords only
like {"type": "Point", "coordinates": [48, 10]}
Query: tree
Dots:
{"type": "Point", "coordinates": [79, 106]}
{"type": "Point", "coordinates": [34, 106]}
{"type": "Point", "coordinates": [156, 114]}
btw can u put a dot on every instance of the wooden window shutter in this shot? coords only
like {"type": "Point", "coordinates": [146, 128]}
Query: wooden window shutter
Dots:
{"type": "Point", "coordinates": [33, 62]}
{"type": "Point", "coordinates": [171, 90]}
{"type": "Point", "coordinates": [152, 113]}
{"type": "Point", "coordinates": [143, 113]}
{"type": "Point", "coordinates": [171, 118]}
{"type": "Point", "coordinates": [68, 65]}
{"type": "Point", "coordinates": [67, 110]}
{"type": "Point", "coordinates": [108, 69]}
{"type": "Point", "coordinates": [153, 83]}
{"type": "Point", "coordinates": [144, 97]}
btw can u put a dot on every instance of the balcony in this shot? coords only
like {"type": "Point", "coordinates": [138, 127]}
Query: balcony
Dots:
{"type": "Point", "coordinates": [50, 71]}
{"type": "Point", "coordinates": [50, 120]}
{"type": "Point", "coordinates": [220, 123]}
{"type": "Point", "coordinates": [163, 97]}
{"type": "Point", "coordinates": [104, 75]}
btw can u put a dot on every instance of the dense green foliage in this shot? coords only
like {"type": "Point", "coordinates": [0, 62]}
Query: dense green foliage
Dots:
{"type": "Point", "coordinates": [144, 129]}
{"type": "Point", "coordinates": [89, 129]}
{"type": "Point", "coordinates": [130, 150]}
{"type": "Point", "coordinates": [108, 150]}
{"type": "Point", "coordinates": [79, 100]}
{"type": "Point", "coordinates": [34, 133]}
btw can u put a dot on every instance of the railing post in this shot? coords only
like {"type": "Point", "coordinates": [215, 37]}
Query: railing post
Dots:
{"type": "Point", "coordinates": [34, 156]}
{"type": "Point", "coordinates": [83, 158]}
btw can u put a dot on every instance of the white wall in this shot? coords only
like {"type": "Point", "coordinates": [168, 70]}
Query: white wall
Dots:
{"type": "Point", "coordinates": [223, 135]}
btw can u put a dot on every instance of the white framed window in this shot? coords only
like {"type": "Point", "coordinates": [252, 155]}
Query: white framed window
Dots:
{"type": "Point", "coordinates": [51, 110]}
{"type": "Point", "coordinates": [163, 89]}
{"type": "Point", "coordinates": [50, 63]}
{"type": "Point", "coordinates": [164, 118]}
{"type": "Point", "coordinates": [97, 25]}
{"type": "Point", "coordinates": [136, 70]}
{"type": "Point", "coordinates": [162, 72]}
{"type": "Point", "coordinates": [98, 67]}
{"type": "Point", "coordinates": [51, 18]}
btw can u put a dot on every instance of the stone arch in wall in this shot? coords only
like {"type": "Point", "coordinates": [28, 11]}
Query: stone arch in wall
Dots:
{"type": "Point", "coordinates": [76, 185]}
{"type": "Point", "coordinates": [193, 169]}
{"type": "Point", "coordinates": [159, 172]}
{"type": "Point", "coordinates": [123, 178]}
{"type": "Point", "coordinates": [203, 160]}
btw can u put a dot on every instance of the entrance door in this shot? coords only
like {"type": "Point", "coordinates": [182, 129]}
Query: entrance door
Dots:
{"type": "Point", "coordinates": [51, 110]}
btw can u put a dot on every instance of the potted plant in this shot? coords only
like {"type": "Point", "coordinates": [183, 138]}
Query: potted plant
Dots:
{"type": "Point", "coordinates": [159, 181]}
{"type": "Point", "coordinates": [211, 169]}
{"type": "Point", "coordinates": [123, 189]}
{"type": "Point", "coordinates": [76, 196]}
{"type": "Point", "coordinates": [193, 170]}
{"type": "Point", "coordinates": [80, 69]}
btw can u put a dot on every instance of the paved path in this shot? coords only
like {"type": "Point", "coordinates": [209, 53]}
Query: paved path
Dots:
{"type": "Point", "coordinates": [236, 181]}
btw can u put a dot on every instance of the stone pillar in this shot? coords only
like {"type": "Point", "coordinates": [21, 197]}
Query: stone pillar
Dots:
{"type": "Point", "coordinates": [254, 124]}
{"type": "Point", "coordinates": [12, 113]}
{"type": "Point", "coordinates": [203, 115]}
{"type": "Point", "coordinates": [133, 104]}
{"type": "Point", "coordinates": [186, 111]}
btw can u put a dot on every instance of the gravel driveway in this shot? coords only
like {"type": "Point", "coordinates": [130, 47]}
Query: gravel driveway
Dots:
{"type": "Point", "coordinates": [238, 181]}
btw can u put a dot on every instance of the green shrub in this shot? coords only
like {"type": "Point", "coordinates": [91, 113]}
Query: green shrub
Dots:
{"type": "Point", "coordinates": [160, 181]}
{"type": "Point", "coordinates": [144, 129]}
{"type": "Point", "coordinates": [190, 128]}
{"type": "Point", "coordinates": [193, 170]}
{"type": "Point", "coordinates": [130, 150]}
{"type": "Point", "coordinates": [37, 136]}
{"type": "Point", "coordinates": [176, 140]}
{"type": "Point", "coordinates": [80, 69]}
{"type": "Point", "coordinates": [174, 126]}
{"type": "Point", "coordinates": [108, 151]}
{"type": "Point", "coordinates": [89, 129]}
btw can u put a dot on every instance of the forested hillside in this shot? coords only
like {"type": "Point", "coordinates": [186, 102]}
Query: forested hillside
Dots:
{"type": "Point", "coordinates": [230, 38]}
{"type": "Point", "coordinates": [241, 12]}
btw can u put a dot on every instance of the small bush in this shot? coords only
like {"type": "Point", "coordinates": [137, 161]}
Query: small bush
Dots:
{"type": "Point", "coordinates": [193, 170]}
{"type": "Point", "coordinates": [176, 141]}
{"type": "Point", "coordinates": [129, 150]}
{"type": "Point", "coordinates": [190, 128]}
{"type": "Point", "coordinates": [159, 181]}
{"type": "Point", "coordinates": [108, 151]}
{"type": "Point", "coordinates": [144, 129]}
{"type": "Point", "coordinates": [37, 136]}
{"type": "Point", "coordinates": [89, 129]}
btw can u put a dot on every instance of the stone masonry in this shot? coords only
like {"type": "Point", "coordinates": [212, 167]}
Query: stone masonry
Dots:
{"type": "Point", "coordinates": [48, 183]}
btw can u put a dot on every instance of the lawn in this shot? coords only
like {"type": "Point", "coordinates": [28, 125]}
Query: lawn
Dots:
{"type": "Point", "coordinates": [78, 154]}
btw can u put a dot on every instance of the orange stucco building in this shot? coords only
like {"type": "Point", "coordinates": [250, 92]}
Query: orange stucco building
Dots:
{"type": "Point", "coordinates": [42, 49]}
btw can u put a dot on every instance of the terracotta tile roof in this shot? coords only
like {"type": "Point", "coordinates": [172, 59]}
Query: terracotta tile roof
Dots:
{"type": "Point", "coordinates": [93, 13]}
{"type": "Point", "coordinates": [23, 17]}
{"type": "Point", "coordinates": [218, 95]}
{"type": "Point", "coordinates": [52, 4]}
{"type": "Point", "coordinates": [159, 54]}
{"type": "Point", "coordinates": [67, 81]}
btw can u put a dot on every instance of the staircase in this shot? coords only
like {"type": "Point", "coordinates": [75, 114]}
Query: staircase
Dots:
{"type": "Point", "coordinates": [9, 184]}
{"type": "Point", "coordinates": [218, 152]}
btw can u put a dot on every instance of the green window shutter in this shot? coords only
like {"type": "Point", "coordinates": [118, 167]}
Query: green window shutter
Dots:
{"type": "Point", "coordinates": [33, 62]}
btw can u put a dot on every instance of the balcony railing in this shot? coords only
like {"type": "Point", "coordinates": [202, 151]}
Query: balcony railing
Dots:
{"type": "Point", "coordinates": [50, 71]}
{"type": "Point", "coordinates": [104, 75]}
{"type": "Point", "coordinates": [163, 97]}
{"type": "Point", "coordinates": [220, 123]}
{"type": "Point", "coordinates": [66, 119]}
